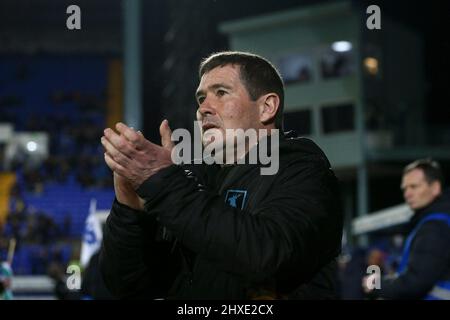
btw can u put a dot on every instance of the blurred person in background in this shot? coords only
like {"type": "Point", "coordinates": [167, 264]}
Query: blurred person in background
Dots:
{"type": "Point", "coordinates": [352, 268]}
{"type": "Point", "coordinates": [93, 287]}
{"type": "Point", "coordinates": [424, 270]}
{"type": "Point", "coordinates": [6, 272]}
{"type": "Point", "coordinates": [376, 257]}
{"type": "Point", "coordinates": [6, 275]}
{"type": "Point", "coordinates": [61, 291]}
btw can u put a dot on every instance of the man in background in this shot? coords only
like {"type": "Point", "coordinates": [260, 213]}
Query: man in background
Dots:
{"type": "Point", "coordinates": [424, 271]}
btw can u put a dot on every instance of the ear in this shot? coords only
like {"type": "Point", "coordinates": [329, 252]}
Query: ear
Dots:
{"type": "Point", "coordinates": [268, 107]}
{"type": "Point", "coordinates": [436, 188]}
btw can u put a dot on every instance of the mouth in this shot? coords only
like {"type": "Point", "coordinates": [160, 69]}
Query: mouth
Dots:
{"type": "Point", "coordinates": [207, 126]}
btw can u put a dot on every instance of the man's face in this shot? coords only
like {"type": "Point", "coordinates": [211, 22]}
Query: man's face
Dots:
{"type": "Point", "coordinates": [418, 193]}
{"type": "Point", "coordinates": [224, 103]}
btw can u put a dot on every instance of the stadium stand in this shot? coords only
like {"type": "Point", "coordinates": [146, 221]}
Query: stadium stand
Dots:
{"type": "Point", "coordinates": [49, 202]}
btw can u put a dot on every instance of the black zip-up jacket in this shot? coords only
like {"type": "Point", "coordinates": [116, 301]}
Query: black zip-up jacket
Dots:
{"type": "Point", "coordinates": [429, 258]}
{"type": "Point", "coordinates": [211, 232]}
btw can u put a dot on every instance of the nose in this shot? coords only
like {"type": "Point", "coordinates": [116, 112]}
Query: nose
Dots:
{"type": "Point", "coordinates": [206, 108]}
{"type": "Point", "coordinates": [407, 194]}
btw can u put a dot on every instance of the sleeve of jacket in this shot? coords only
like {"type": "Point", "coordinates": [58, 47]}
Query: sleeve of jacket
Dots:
{"type": "Point", "coordinates": [292, 229]}
{"type": "Point", "coordinates": [132, 263]}
{"type": "Point", "coordinates": [428, 262]}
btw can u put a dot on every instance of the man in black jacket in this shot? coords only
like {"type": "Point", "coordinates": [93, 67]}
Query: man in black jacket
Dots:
{"type": "Point", "coordinates": [222, 231]}
{"type": "Point", "coordinates": [424, 271]}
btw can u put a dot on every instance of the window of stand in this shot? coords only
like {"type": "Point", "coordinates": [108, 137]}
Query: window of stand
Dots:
{"type": "Point", "coordinates": [295, 68]}
{"type": "Point", "coordinates": [337, 60]}
{"type": "Point", "coordinates": [338, 118]}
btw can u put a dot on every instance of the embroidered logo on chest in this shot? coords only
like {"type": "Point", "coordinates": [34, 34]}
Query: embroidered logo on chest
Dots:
{"type": "Point", "coordinates": [236, 198]}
